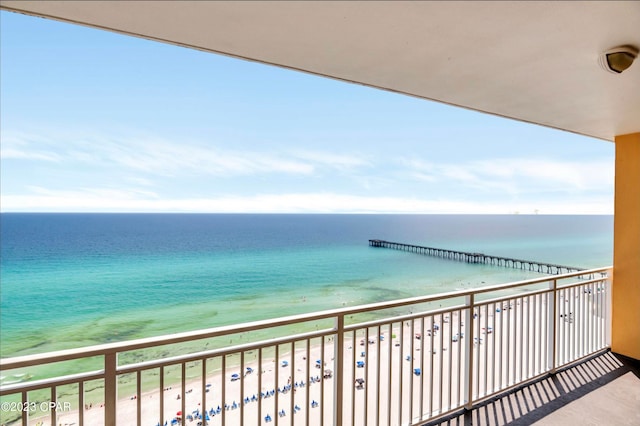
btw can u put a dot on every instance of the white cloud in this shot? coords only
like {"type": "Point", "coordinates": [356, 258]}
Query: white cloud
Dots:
{"type": "Point", "coordinates": [332, 160]}
{"type": "Point", "coordinates": [164, 158]}
{"type": "Point", "coordinates": [161, 157]}
{"type": "Point", "coordinates": [517, 175]}
{"type": "Point", "coordinates": [90, 194]}
{"type": "Point", "coordinates": [135, 166]}
{"type": "Point", "coordinates": [19, 147]}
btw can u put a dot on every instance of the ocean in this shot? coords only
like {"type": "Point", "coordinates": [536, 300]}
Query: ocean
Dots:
{"type": "Point", "coordinates": [72, 280]}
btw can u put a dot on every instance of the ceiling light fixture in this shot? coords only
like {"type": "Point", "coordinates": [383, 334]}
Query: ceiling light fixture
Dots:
{"type": "Point", "coordinates": [618, 59]}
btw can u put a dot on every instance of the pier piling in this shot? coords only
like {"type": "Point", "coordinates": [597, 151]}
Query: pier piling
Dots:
{"type": "Point", "coordinates": [530, 265]}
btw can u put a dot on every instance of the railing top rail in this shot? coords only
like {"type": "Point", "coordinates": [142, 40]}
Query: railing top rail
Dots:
{"type": "Point", "coordinates": [125, 346]}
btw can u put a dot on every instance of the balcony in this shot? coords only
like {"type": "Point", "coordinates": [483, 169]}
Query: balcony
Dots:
{"type": "Point", "coordinates": [405, 362]}
{"type": "Point", "coordinates": [602, 390]}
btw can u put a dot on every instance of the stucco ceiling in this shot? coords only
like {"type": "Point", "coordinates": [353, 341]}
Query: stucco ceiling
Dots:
{"type": "Point", "coordinates": [531, 61]}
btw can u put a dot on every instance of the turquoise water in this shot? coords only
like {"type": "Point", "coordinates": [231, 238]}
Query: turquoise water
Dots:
{"type": "Point", "coordinates": [70, 280]}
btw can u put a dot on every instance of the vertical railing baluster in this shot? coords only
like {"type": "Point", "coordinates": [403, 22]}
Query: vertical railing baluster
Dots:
{"type": "Point", "coordinates": [561, 332]}
{"type": "Point", "coordinates": [52, 411]}
{"type": "Point", "coordinates": [584, 329]}
{"type": "Point", "coordinates": [183, 396]}
{"type": "Point", "coordinates": [241, 422]}
{"type": "Point", "coordinates": [322, 393]}
{"type": "Point", "coordinates": [308, 382]}
{"type": "Point", "coordinates": [259, 390]}
{"type": "Point", "coordinates": [608, 284]}
{"type": "Point", "coordinates": [423, 338]}
{"type": "Point", "coordinates": [575, 323]}
{"type": "Point", "coordinates": [583, 320]}
{"type": "Point", "coordinates": [493, 348]}
{"type": "Point", "coordinates": [431, 366]}
{"type": "Point", "coordinates": [110, 388]}
{"type": "Point", "coordinates": [508, 346]}
{"type": "Point", "coordinates": [440, 364]}
{"type": "Point", "coordinates": [553, 327]}
{"type": "Point", "coordinates": [468, 370]}
{"type": "Point", "coordinates": [293, 380]}
{"type": "Point", "coordinates": [459, 387]}
{"type": "Point", "coordinates": [401, 374]}
{"type": "Point", "coordinates": [353, 369]}
{"type": "Point", "coordinates": [162, 395]}
{"type": "Point", "coordinates": [25, 413]}
{"type": "Point", "coordinates": [559, 326]}
{"type": "Point", "coordinates": [600, 317]}
{"type": "Point", "coordinates": [592, 311]}
{"type": "Point", "coordinates": [139, 399]}
{"type": "Point", "coordinates": [223, 385]}
{"type": "Point", "coordinates": [477, 352]}
{"type": "Point", "coordinates": [520, 347]}
{"type": "Point", "coordinates": [409, 398]}
{"type": "Point", "coordinates": [81, 403]}
{"type": "Point", "coordinates": [532, 328]}
{"type": "Point", "coordinates": [543, 301]}
{"type": "Point", "coordinates": [338, 352]}
{"type": "Point", "coordinates": [486, 349]}
{"type": "Point", "coordinates": [389, 369]}
{"type": "Point", "coordinates": [366, 375]}
{"type": "Point", "coordinates": [450, 350]}
{"type": "Point", "coordinates": [276, 368]}
{"type": "Point", "coordinates": [570, 326]}
{"type": "Point", "coordinates": [500, 349]}
{"type": "Point", "coordinates": [542, 331]}
{"type": "Point", "coordinates": [378, 374]}
{"type": "Point", "coordinates": [527, 341]}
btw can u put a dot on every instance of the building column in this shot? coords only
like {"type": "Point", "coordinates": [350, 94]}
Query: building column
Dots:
{"type": "Point", "coordinates": [625, 328]}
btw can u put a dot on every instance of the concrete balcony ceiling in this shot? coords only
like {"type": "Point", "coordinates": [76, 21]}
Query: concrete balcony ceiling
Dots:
{"type": "Point", "coordinates": [531, 61]}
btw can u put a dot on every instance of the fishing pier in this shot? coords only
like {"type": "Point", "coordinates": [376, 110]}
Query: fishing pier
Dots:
{"type": "Point", "coordinates": [462, 256]}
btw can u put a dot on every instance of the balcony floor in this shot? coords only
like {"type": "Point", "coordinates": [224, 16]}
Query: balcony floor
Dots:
{"type": "Point", "coordinates": [604, 390]}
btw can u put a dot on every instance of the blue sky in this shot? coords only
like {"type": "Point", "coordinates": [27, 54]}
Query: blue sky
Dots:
{"type": "Point", "coordinates": [96, 121]}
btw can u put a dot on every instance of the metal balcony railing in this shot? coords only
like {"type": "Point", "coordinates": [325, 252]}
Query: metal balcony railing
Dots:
{"type": "Point", "coordinates": [394, 363]}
